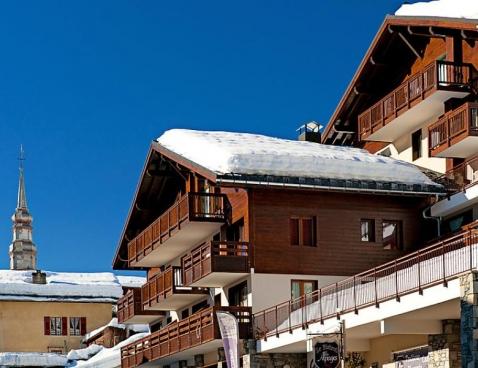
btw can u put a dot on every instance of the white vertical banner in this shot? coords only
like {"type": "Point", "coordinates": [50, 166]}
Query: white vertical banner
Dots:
{"type": "Point", "coordinates": [229, 328]}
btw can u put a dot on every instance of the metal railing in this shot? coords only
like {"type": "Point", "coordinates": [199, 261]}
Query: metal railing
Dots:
{"type": "Point", "coordinates": [216, 256]}
{"type": "Point", "coordinates": [461, 121]}
{"type": "Point", "coordinates": [438, 263]}
{"type": "Point", "coordinates": [197, 329]}
{"type": "Point", "coordinates": [192, 206]}
{"type": "Point", "coordinates": [437, 75]}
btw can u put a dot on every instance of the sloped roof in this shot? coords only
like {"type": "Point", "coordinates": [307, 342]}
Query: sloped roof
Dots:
{"type": "Point", "coordinates": [226, 153]}
{"type": "Point", "coordinates": [61, 286]}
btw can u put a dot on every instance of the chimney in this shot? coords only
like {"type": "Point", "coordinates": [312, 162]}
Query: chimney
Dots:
{"type": "Point", "coordinates": [309, 132]}
{"type": "Point", "coordinates": [39, 277]}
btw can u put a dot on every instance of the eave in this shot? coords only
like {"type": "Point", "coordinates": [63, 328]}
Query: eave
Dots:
{"type": "Point", "coordinates": [343, 132]}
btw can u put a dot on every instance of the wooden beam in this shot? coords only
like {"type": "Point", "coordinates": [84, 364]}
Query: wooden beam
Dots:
{"type": "Point", "coordinates": [410, 46]}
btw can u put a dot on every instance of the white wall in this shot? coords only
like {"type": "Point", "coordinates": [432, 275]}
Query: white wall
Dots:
{"type": "Point", "coordinates": [271, 289]}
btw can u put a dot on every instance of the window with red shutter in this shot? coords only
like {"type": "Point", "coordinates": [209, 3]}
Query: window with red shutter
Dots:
{"type": "Point", "coordinates": [64, 326]}
{"type": "Point", "coordinates": [83, 325]}
{"type": "Point", "coordinates": [46, 325]}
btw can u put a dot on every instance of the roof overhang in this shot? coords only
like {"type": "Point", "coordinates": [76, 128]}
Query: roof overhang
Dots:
{"type": "Point", "coordinates": [396, 33]}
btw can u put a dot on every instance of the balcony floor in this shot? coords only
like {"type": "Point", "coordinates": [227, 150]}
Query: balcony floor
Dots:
{"type": "Point", "coordinates": [413, 118]}
{"type": "Point", "coordinates": [176, 301]}
{"type": "Point", "coordinates": [462, 149]}
{"type": "Point", "coordinates": [219, 279]}
{"type": "Point", "coordinates": [180, 241]}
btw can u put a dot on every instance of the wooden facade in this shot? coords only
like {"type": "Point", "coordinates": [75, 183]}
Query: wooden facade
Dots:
{"type": "Point", "coordinates": [130, 309]}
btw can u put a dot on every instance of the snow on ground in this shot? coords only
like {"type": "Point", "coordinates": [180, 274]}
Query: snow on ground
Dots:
{"type": "Point", "coordinates": [84, 354]}
{"type": "Point", "coordinates": [107, 358]}
{"type": "Point", "coordinates": [104, 287]}
{"type": "Point", "coordinates": [114, 323]}
{"type": "Point", "coordinates": [243, 153]}
{"type": "Point", "coordinates": [32, 360]}
{"type": "Point", "coordinates": [442, 8]}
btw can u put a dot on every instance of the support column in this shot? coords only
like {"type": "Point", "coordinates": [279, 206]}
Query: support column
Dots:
{"type": "Point", "coordinates": [469, 318]}
{"type": "Point", "coordinates": [444, 348]}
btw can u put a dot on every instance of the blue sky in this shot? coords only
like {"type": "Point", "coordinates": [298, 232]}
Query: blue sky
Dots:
{"type": "Point", "coordinates": [86, 85]}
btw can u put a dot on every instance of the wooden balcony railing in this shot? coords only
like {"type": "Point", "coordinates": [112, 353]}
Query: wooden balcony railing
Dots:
{"type": "Point", "coordinates": [165, 284]}
{"type": "Point", "coordinates": [206, 207]}
{"type": "Point", "coordinates": [433, 265]}
{"type": "Point", "coordinates": [178, 336]}
{"type": "Point", "coordinates": [216, 256]}
{"type": "Point", "coordinates": [130, 306]}
{"type": "Point", "coordinates": [453, 127]}
{"type": "Point", "coordinates": [460, 177]}
{"type": "Point", "coordinates": [443, 75]}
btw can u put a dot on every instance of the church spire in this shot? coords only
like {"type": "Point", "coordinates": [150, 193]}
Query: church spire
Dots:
{"type": "Point", "coordinates": [23, 251]}
{"type": "Point", "coordinates": [22, 197]}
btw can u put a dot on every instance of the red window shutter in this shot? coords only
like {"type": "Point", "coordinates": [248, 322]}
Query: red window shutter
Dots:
{"type": "Point", "coordinates": [46, 325]}
{"type": "Point", "coordinates": [82, 326]}
{"type": "Point", "coordinates": [64, 326]}
{"type": "Point", "coordinates": [294, 231]}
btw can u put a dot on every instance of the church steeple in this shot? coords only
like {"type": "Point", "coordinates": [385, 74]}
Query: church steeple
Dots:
{"type": "Point", "coordinates": [22, 251]}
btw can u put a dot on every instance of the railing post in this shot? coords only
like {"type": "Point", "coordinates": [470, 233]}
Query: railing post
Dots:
{"type": "Point", "coordinates": [397, 295]}
{"type": "Point", "coordinates": [445, 282]}
{"type": "Point", "coordinates": [277, 324]}
{"type": "Point", "coordinates": [470, 245]}
{"type": "Point", "coordinates": [320, 307]}
{"type": "Point", "coordinates": [265, 329]}
{"type": "Point", "coordinates": [337, 299]}
{"type": "Point", "coordinates": [420, 290]}
{"type": "Point", "coordinates": [355, 297]}
{"type": "Point", "coordinates": [375, 287]}
{"type": "Point", "coordinates": [290, 312]}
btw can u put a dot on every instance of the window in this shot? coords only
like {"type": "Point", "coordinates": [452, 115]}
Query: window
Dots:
{"type": "Point", "coordinates": [55, 326]}
{"type": "Point", "coordinates": [299, 288]}
{"type": "Point", "coordinates": [56, 350]}
{"type": "Point", "coordinates": [77, 326]}
{"type": "Point", "coordinates": [302, 231]}
{"type": "Point", "coordinates": [197, 307]}
{"type": "Point", "coordinates": [185, 313]}
{"type": "Point", "coordinates": [367, 230]}
{"type": "Point", "coordinates": [74, 326]}
{"type": "Point", "coordinates": [238, 295]}
{"type": "Point", "coordinates": [417, 144]}
{"type": "Point", "coordinates": [392, 234]}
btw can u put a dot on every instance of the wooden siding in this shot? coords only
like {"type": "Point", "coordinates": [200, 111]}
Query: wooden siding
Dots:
{"type": "Point", "coordinates": [195, 330]}
{"type": "Point", "coordinates": [339, 249]}
{"type": "Point", "coordinates": [130, 305]}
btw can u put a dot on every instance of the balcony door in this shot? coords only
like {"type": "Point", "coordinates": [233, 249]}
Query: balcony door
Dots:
{"type": "Point", "coordinates": [300, 288]}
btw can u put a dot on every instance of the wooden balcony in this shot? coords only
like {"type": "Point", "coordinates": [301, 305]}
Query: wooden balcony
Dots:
{"type": "Point", "coordinates": [166, 291]}
{"type": "Point", "coordinates": [455, 134]}
{"type": "Point", "coordinates": [130, 309]}
{"type": "Point", "coordinates": [197, 334]}
{"type": "Point", "coordinates": [196, 216]}
{"type": "Point", "coordinates": [217, 263]}
{"type": "Point", "coordinates": [417, 100]}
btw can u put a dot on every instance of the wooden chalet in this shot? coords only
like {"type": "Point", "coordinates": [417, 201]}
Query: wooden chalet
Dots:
{"type": "Point", "coordinates": [241, 242]}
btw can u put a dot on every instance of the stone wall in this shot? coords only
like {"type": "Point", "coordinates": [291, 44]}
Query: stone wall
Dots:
{"type": "Point", "coordinates": [469, 318]}
{"type": "Point", "coordinates": [285, 360]}
{"type": "Point", "coordinates": [444, 349]}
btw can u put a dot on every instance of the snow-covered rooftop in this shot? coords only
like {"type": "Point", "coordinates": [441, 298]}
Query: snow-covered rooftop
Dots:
{"type": "Point", "coordinates": [441, 8]}
{"type": "Point", "coordinates": [32, 360]}
{"type": "Point", "coordinates": [252, 154]}
{"type": "Point", "coordinates": [131, 281]}
{"type": "Point", "coordinates": [64, 286]}
{"type": "Point", "coordinates": [114, 323]}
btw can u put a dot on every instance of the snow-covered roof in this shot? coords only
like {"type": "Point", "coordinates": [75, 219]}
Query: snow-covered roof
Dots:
{"type": "Point", "coordinates": [226, 153]}
{"type": "Point", "coordinates": [114, 323]}
{"type": "Point", "coordinates": [32, 360]}
{"type": "Point", "coordinates": [62, 286]}
{"type": "Point", "coordinates": [441, 8]}
{"type": "Point", "coordinates": [131, 281]}
{"type": "Point", "coordinates": [107, 357]}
